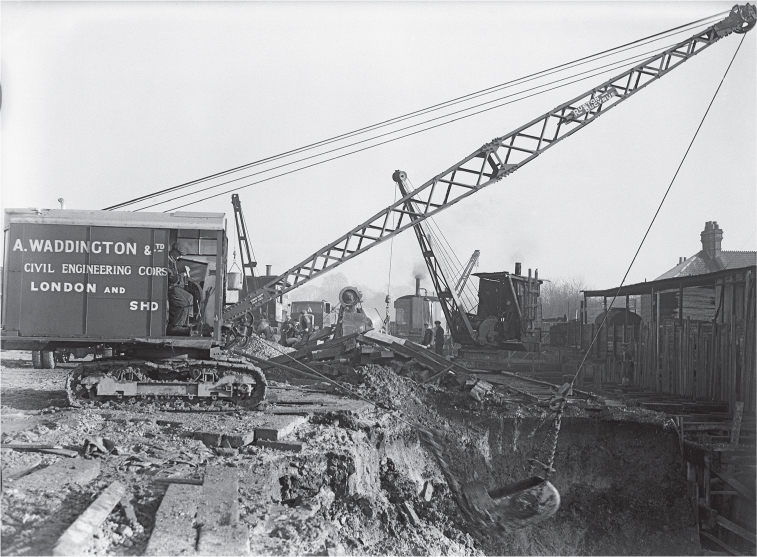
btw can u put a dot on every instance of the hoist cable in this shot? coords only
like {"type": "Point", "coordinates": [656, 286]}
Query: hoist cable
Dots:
{"type": "Point", "coordinates": [456, 268]}
{"type": "Point", "coordinates": [459, 268]}
{"type": "Point", "coordinates": [664, 197]}
{"type": "Point", "coordinates": [443, 255]}
{"type": "Point", "coordinates": [558, 413]}
{"type": "Point", "coordinates": [438, 106]}
{"type": "Point", "coordinates": [629, 62]}
{"type": "Point", "coordinates": [391, 259]}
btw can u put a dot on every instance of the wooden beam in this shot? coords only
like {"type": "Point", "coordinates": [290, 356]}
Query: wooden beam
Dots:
{"type": "Point", "coordinates": [220, 532]}
{"type": "Point", "coordinates": [437, 375]}
{"type": "Point", "coordinates": [185, 481]}
{"type": "Point", "coordinates": [738, 412]}
{"type": "Point", "coordinates": [736, 529]}
{"type": "Point", "coordinates": [736, 484]}
{"type": "Point", "coordinates": [283, 367]}
{"type": "Point", "coordinates": [78, 536]}
{"type": "Point", "coordinates": [60, 474]}
{"type": "Point", "coordinates": [714, 539]}
{"type": "Point", "coordinates": [174, 532]}
{"type": "Point", "coordinates": [21, 471]}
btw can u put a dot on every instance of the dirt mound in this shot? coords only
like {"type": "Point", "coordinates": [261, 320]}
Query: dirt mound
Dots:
{"type": "Point", "coordinates": [261, 348]}
{"type": "Point", "coordinates": [618, 473]}
{"type": "Point", "coordinates": [363, 483]}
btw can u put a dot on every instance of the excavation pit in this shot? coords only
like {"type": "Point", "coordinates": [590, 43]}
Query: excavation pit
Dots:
{"type": "Point", "coordinates": [620, 476]}
{"type": "Point", "coordinates": [622, 487]}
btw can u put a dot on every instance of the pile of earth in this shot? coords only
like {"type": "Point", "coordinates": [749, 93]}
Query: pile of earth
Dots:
{"type": "Point", "coordinates": [619, 474]}
{"type": "Point", "coordinates": [364, 484]}
{"type": "Point", "coordinates": [261, 348]}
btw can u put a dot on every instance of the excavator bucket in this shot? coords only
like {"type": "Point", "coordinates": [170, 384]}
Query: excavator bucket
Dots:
{"type": "Point", "coordinates": [499, 510]}
{"type": "Point", "coordinates": [513, 506]}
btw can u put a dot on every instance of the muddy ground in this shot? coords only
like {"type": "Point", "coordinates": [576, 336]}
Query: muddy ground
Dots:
{"type": "Point", "coordinates": [363, 483]}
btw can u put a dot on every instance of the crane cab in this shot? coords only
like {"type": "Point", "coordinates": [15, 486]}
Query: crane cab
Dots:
{"type": "Point", "coordinates": [74, 280]}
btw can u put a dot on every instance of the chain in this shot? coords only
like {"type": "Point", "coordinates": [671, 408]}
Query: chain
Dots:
{"type": "Point", "coordinates": [555, 433]}
{"type": "Point", "coordinates": [556, 427]}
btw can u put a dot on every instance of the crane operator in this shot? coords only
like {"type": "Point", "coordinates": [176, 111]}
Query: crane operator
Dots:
{"type": "Point", "coordinates": [179, 300]}
{"type": "Point", "coordinates": [176, 251]}
{"type": "Point", "coordinates": [179, 303]}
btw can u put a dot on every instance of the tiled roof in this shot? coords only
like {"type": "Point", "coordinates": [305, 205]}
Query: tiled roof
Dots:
{"type": "Point", "coordinates": [737, 259]}
{"type": "Point", "coordinates": [701, 263]}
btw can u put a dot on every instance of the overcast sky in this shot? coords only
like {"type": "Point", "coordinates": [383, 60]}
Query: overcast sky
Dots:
{"type": "Point", "coordinates": [105, 102]}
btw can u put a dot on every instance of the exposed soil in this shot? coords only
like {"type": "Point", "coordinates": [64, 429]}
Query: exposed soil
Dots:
{"type": "Point", "coordinates": [363, 484]}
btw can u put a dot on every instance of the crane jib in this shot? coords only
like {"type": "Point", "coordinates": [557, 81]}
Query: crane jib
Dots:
{"type": "Point", "coordinates": [494, 161]}
{"type": "Point", "coordinates": [592, 104]}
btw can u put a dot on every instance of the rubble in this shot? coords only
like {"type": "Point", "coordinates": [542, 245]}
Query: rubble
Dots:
{"type": "Point", "coordinates": [350, 476]}
{"type": "Point", "coordinates": [261, 348]}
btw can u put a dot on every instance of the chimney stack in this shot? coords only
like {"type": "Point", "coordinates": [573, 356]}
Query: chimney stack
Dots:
{"type": "Point", "coordinates": [417, 286]}
{"type": "Point", "coordinates": [517, 268]}
{"type": "Point", "coordinates": [711, 236]}
{"type": "Point", "coordinates": [268, 270]}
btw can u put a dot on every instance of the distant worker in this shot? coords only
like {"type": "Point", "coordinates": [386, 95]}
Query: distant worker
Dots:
{"type": "Point", "coordinates": [438, 338]}
{"type": "Point", "coordinates": [306, 327]}
{"type": "Point", "coordinates": [264, 330]}
{"type": "Point", "coordinates": [288, 333]}
{"type": "Point", "coordinates": [179, 304]}
{"type": "Point", "coordinates": [428, 336]}
{"type": "Point", "coordinates": [628, 365]}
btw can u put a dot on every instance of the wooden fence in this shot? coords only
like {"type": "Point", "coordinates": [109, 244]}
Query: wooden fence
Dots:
{"type": "Point", "coordinates": [697, 360]}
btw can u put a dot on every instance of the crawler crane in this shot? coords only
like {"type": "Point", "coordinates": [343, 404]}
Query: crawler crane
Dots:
{"type": "Point", "coordinates": [495, 160]}
{"type": "Point", "coordinates": [80, 279]}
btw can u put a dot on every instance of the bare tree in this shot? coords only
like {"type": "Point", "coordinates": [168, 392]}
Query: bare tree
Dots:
{"type": "Point", "coordinates": [562, 297]}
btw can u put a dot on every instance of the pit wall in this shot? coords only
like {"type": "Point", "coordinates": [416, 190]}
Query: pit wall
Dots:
{"type": "Point", "coordinates": [622, 486]}
{"type": "Point", "coordinates": [622, 483]}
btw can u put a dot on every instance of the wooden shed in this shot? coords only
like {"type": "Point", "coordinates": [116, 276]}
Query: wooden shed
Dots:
{"type": "Point", "coordinates": [696, 337]}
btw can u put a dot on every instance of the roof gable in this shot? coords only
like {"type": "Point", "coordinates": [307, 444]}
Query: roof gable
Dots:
{"type": "Point", "coordinates": [701, 263]}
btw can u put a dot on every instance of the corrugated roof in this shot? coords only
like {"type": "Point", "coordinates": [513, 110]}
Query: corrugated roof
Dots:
{"type": "Point", "coordinates": [685, 281]}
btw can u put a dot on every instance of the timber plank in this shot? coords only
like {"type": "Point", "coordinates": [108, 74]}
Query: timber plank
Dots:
{"type": "Point", "coordinates": [60, 474]}
{"type": "Point", "coordinates": [218, 515]}
{"type": "Point", "coordinates": [279, 426]}
{"type": "Point", "coordinates": [218, 504]}
{"type": "Point", "coordinates": [736, 529]}
{"type": "Point", "coordinates": [736, 484]}
{"type": "Point", "coordinates": [78, 536]}
{"type": "Point", "coordinates": [224, 540]}
{"type": "Point", "coordinates": [21, 471]}
{"type": "Point", "coordinates": [306, 351]}
{"type": "Point", "coordinates": [722, 544]}
{"type": "Point", "coordinates": [174, 532]}
{"type": "Point", "coordinates": [737, 416]}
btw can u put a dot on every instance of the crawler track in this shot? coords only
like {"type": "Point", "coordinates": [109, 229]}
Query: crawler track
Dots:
{"type": "Point", "coordinates": [119, 380]}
